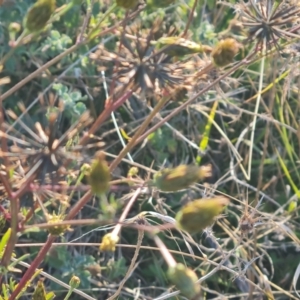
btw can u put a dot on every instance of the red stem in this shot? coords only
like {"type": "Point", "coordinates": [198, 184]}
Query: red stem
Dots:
{"type": "Point", "coordinates": [34, 265]}
{"type": "Point", "coordinates": [112, 106]}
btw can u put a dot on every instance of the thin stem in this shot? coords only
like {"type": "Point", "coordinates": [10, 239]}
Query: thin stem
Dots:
{"type": "Point", "coordinates": [39, 71]}
{"type": "Point", "coordinates": [34, 265]}
{"type": "Point", "coordinates": [60, 56]}
{"type": "Point", "coordinates": [114, 118]}
{"type": "Point", "coordinates": [15, 45]}
{"type": "Point", "coordinates": [261, 78]}
{"type": "Point", "coordinates": [190, 18]}
{"type": "Point", "coordinates": [131, 267]}
{"type": "Point", "coordinates": [54, 279]}
{"type": "Point", "coordinates": [142, 128]}
{"type": "Point", "coordinates": [85, 21]}
{"type": "Point", "coordinates": [165, 252]}
{"type": "Point", "coordinates": [104, 115]}
{"type": "Point", "coordinates": [126, 211]}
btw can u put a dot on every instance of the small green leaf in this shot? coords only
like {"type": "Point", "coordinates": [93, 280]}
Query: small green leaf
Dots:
{"type": "Point", "coordinates": [50, 296]}
{"type": "Point", "coordinates": [4, 240]}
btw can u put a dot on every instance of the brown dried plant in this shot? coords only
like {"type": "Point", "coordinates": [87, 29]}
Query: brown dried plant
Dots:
{"type": "Point", "coordinates": [269, 21]}
{"type": "Point", "coordinates": [44, 151]}
{"type": "Point", "coordinates": [140, 66]}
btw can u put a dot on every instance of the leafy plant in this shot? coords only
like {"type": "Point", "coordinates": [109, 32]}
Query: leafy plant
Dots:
{"type": "Point", "coordinates": [184, 101]}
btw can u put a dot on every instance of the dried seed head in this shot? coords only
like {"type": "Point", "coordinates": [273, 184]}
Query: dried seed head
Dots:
{"type": "Point", "coordinates": [225, 51]}
{"type": "Point", "coordinates": [181, 177]}
{"type": "Point", "coordinates": [39, 14]}
{"type": "Point", "coordinates": [109, 242]}
{"type": "Point", "coordinates": [99, 174]}
{"type": "Point", "coordinates": [141, 66]}
{"type": "Point", "coordinates": [246, 224]}
{"type": "Point", "coordinates": [248, 220]}
{"type": "Point", "coordinates": [197, 215]}
{"type": "Point", "coordinates": [127, 4]}
{"type": "Point", "coordinates": [269, 21]}
{"type": "Point", "coordinates": [185, 280]}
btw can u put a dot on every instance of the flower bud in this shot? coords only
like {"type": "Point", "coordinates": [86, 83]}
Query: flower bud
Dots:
{"type": "Point", "coordinates": [39, 292]}
{"type": "Point", "coordinates": [99, 175]}
{"type": "Point", "coordinates": [14, 27]}
{"type": "Point", "coordinates": [74, 282]}
{"type": "Point", "coordinates": [185, 280]}
{"type": "Point", "coordinates": [181, 177]}
{"type": "Point", "coordinates": [133, 171]}
{"type": "Point", "coordinates": [56, 230]}
{"type": "Point", "coordinates": [198, 214]}
{"type": "Point", "coordinates": [225, 51]}
{"type": "Point", "coordinates": [39, 14]}
{"type": "Point", "coordinates": [109, 242]}
{"type": "Point", "coordinates": [178, 46]}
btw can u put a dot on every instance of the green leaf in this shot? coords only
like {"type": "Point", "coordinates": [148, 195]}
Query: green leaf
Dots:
{"type": "Point", "coordinates": [4, 240]}
{"type": "Point", "coordinates": [50, 296]}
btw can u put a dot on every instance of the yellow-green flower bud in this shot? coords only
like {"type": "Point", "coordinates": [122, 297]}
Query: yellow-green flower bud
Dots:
{"type": "Point", "coordinates": [109, 242]}
{"type": "Point", "coordinates": [74, 282]}
{"type": "Point", "coordinates": [56, 229]}
{"type": "Point", "coordinates": [225, 51]}
{"type": "Point", "coordinates": [198, 214]}
{"type": "Point", "coordinates": [185, 280]}
{"type": "Point", "coordinates": [39, 292]}
{"type": "Point", "coordinates": [99, 174]}
{"type": "Point", "coordinates": [14, 27]}
{"type": "Point", "coordinates": [133, 171]}
{"type": "Point", "coordinates": [39, 14]}
{"type": "Point", "coordinates": [177, 46]}
{"type": "Point", "coordinates": [181, 177]}
{"type": "Point", "coordinates": [127, 4]}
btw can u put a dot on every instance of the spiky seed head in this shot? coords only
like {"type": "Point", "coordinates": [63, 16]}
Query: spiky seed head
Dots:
{"type": "Point", "coordinates": [185, 280]}
{"type": "Point", "coordinates": [198, 214]}
{"type": "Point", "coordinates": [39, 14]}
{"type": "Point", "coordinates": [99, 174]}
{"type": "Point", "coordinates": [127, 4]}
{"type": "Point", "coordinates": [181, 177]}
{"type": "Point", "coordinates": [224, 52]}
{"type": "Point", "coordinates": [109, 242]}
